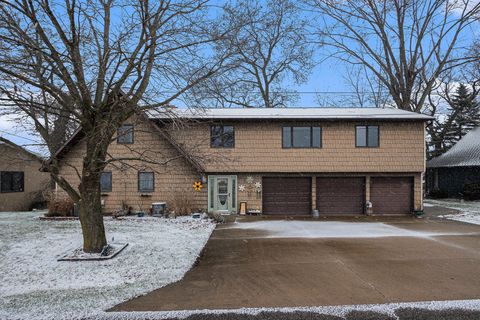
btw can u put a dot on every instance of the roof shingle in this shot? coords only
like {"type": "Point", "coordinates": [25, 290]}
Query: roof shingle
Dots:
{"type": "Point", "coordinates": [465, 153]}
{"type": "Point", "coordinates": [293, 113]}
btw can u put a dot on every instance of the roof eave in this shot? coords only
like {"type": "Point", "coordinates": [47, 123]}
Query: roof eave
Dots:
{"type": "Point", "coordinates": [302, 118]}
{"type": "Point", "coordinates": [454, 165]}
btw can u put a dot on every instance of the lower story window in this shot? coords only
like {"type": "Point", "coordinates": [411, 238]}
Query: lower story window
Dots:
{"type": "Point", "coordinates": [106, 182]}
{"type": "Point", "coordinates": [146, 181]}
{"type": "Point", "coordinates": [12, 181]}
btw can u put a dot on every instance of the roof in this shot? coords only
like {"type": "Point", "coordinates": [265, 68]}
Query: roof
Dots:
{"type": "Point", "coordinates": [465, 153]}
{"type": "Point", "coordinates": [77, 135]}
{"type": "Point", "coordinates": [13, 145]}
{"type": "Point", "coordinates": [295, 113]}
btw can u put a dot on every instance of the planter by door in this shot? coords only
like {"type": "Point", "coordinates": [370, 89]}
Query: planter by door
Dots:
{"type": "Point", "coordinates": [222, 193]}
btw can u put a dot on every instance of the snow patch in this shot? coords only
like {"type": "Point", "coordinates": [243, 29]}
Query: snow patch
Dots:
{"type": "Point", "coordinates": [468, 217]}
{"type": "Point", "coordinates": [340, 311]}
{"type": "Point", "coordinates": [469, 210]}
{"type": "Point", "coordinates": [466, 206]}
{"type": "Point", "coordinates": [330, 229]}
{"type": "Point", "coordinates": [37, 286]}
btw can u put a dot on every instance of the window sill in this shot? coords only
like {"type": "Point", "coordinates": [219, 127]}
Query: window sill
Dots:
{"type": "Point", "coordinates": [103, 194]}
{"type": "Point", "coordinates": [286, 148]}
{"type": "Point", "coordinates": [146, 194]}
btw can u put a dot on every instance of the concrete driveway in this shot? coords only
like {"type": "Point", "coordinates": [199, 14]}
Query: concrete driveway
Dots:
{"type": "Point", "coordinates": [398, 260]}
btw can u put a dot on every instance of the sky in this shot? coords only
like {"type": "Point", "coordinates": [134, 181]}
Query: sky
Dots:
{"type": "Point", "coordinates": [327, 77]}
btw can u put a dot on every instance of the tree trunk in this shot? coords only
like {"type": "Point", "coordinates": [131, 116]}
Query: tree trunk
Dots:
{"type": "Point", "coordinates": [99, 133]}
{"type": "Point", "coordinates": [91, 217]}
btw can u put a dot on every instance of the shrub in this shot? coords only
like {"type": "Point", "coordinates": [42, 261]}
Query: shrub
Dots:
{"type": "Point", "coordinates": [181, 203]}
{"type": "Point", "coordinates": [471, 191]}
{"type": "Point", "coordinates": [59, 205]}
{"type": "Point", "coordinates": [438, 194]}
{"type": "Point", "coordinates": [38, 201]}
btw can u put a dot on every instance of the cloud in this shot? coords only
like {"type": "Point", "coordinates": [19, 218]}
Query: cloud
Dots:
{"type": "Point", "coordinates": [6, 123]}
{"type": "Point", "coordinates": [459, 6]}
{"type": "Point", "coordinates": [11, 130]}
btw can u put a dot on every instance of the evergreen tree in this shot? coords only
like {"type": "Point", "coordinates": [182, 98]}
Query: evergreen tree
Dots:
{"type": "Point", "coordinates": [464, 116]}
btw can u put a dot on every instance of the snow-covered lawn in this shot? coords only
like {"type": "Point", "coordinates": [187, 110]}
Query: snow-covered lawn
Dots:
{"type": "Point", "coordinates": [469, 210]}
{"type": "Point", "coordinates": [35, 285]}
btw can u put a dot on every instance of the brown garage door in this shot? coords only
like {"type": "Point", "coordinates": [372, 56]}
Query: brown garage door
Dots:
{"type": "Point", "coordinates": [392, 195]}
{"type": "Point", "coordinates": [289, 196]}
{"type": "Point", "coordinates": [341, 195]}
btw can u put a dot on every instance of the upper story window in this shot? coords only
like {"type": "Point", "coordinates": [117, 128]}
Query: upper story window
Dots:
{"type": "Point", "coordinates": [12, 181]}
{"type": "Point", "coordinates": [125, 134]}
{"type": "Point", "coordinates": [106, 182]}
{"type": "Point", "coordinates": [222, 136]}
{"type": "Point", "coordinates": [302, 137]}
{"type": "Point", "coordinates": [367, 136]}
{"type": "Point", "coordinates": [146, 181]}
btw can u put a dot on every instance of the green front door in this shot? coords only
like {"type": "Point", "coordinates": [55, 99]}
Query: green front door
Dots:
{"type": "Point", "coordinates": [222, 194]}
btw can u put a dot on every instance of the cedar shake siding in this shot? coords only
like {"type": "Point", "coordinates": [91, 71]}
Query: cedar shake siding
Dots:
{"type": "Point", "coordinates": [258, 148]}
{"type": "Point", "coordinates": [173, 180]}
{"type": "Point", "coordinates": [257, 153]}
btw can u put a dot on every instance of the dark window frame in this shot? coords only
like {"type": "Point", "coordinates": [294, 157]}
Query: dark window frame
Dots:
{"type": "Point", "coordinates": [138, 182]}
{"type": "Point", "coordinates": [22, 189]}
{"type": "Point", "coordinates": [111, 181]}
{"type": "Point", "coordinates": [119, 136]}
{"type": "Point", "coordinates": [366, 135]}
{"type": "Point", "coordinates": [311, 137]}
{"type": "Point", "coordinates": [222, 145]}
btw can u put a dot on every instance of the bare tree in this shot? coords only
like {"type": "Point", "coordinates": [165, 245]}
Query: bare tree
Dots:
{"type": "Point", "coordinates": [52, 123]}
{"type": "Point", "coordinates": [366, 91]}
{"type": "Point", "coordinates": [443, 105]}
{"type": "Point", "coordinates": [98, 63]}
{"type": "Point", "coordinates": [271, 46]}
{"type": "Point", "coordinates": [405, 44]}
{"type": "Point", "coordinates": [474, 71]}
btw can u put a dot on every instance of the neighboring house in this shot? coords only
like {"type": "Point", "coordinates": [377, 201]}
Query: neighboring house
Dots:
{"type": "Point", "coordinates": [459, 166]}
{"type": "Point", "coordinates": [286, 161]}
{"type": "Point", "coordinates": [21, 182]}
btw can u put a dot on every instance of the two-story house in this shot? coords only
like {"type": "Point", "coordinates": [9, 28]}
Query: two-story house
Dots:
{"type": "Point", "coordinates": [287, 161]}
